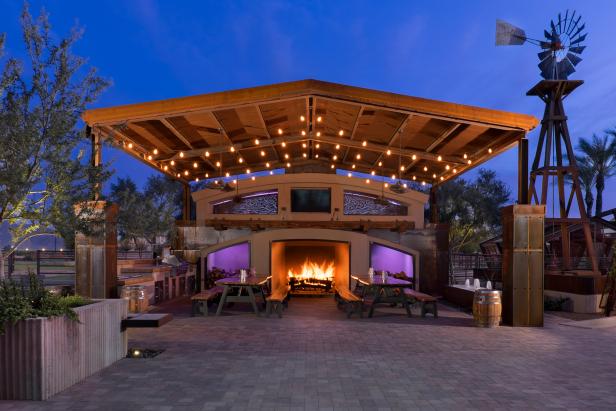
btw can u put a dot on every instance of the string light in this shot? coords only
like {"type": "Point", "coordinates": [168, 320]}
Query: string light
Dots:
{"type": "Point", "coordinates": [439, 158]}
{"type": "Point", "coordinates": [447, 167]}
{"type": "Point", "coordinates": [442, 178]}
{"type": "Point", "coordinates": [150, 157]}
{"type": "Point", "coordinates": [380, 163]}
{"type": "Point", "coordinates": [185, 172]}
{"type": "Point", "coordinates": [196, 179]}
{"type": "Point", "coordinates": [232, 149]}
{"type": "Point", "coordinates": [218, 164]}
{"type": "Point", "coordinates": [316, 155]}
{"type": "Point", "coordinates": [386, 185]}
{"type": "Point", "coordinates": [155, 151]}
{"type": "Point", "coordinates": [373, 172]}
{"type": "Point", "coordinates": [364, 143]}
{"type": "Point", "coordinates": [253, 178]}
{"type": "Point", "coordinates": [284, 144]}
{"type": "Point", "coordinates": [367, 181]}
{"type": "Point", "coordinates": [318, 145]}
{"type": "Point", "coordinates": [207, 175]}
{"type": "Point", "coordinates": [490, 150]}
{"type": "Point", "coordinates": [172, 162]}
{"type": "Point", "coordinates": [302, 118]}
{"type": "Point", "coordinates": [227, 174]}
{"type": "Point", "coordinates": [455, 171]}
{"type": "Point", "coordinates": [303, 145]}
{"type": "Point", "coordinates": [349, 175]}
{"type": "Point", "coordinates": [335, 157]}
{"type": "Point", "coordinates": [353, 166]}
{"type": "Point", "coordinates": [181, 154]}
{"type": "Point", "coordinates": [241, 160]}
{"type": "Point", "coordinates": [414, 157]}
{"type": "Point", "coordinates": [465, 156]}
{"type": "Point", "coordinates": [166, 168]}
{"type": "Point", "coordinates": [414, 178]}
{"type": "Point", "coordinates": [286, 156]}
{"type": "Point", "coordinates": [303, 132]}
{"type": "Point", "coordinates": [195, 165]}
{"type": "Point", "coordinates": [271, 173]}
{"type": "Point", "coordinates": [279, 131]}
{"type": "Point", "coordinates": [425, 168]}
{"type": "Point", "coordinates": [262, 153]}
{"type": "Point", "coordinates": [388, 152]}
{"type": "Point", "coordinates": [319, 119]}
{"type": "Point", "coordinates": [288, 165]}
{"type": "Point", "coordinates": [358, 156]}
{"type": "Point", "coordinates": [393, 176]}
{"type": "Point", "coordinates": [469, 162]}
{"type": "Point", "coordinates": [130, 145]}
{"type": "Point", "coordinates": [337, 146]}
{"type": "Point", "coordinates": [341, 133]}
{"type": "Point", "coordinates": [333, 166]}
{"type": "Point", "coordinates": [401, 168]}
{"type": "Point", "coordinates": [304, 155]}
{"type": "Point", "coordinates": [433, 175]}
{"type": "Point", "coordinates": [179, 175]}
{"type": "Point", "coordinates": [207, 153]}
{"type": "Point", "coordinates": [423, 183]}
{"type": "Point", "coordinates": [404, 185]}
{"type": "Point", "coordinates": [257, 142]}
{"type": "Point", "coordinates": [267, 164]}
{"type": "Point", "coordinates": [247, 171]}
{"type": "Point", "coordinates": [318, 134]}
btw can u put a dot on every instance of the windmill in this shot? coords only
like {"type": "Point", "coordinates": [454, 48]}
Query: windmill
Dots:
{"type": "Point", "coordinates": [561, 48]}
{"type": "Point", "coordinates": [554, 158]}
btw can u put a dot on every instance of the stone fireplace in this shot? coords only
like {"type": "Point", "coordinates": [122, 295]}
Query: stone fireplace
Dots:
{"type": "Point", "coordinates": [311, 267]}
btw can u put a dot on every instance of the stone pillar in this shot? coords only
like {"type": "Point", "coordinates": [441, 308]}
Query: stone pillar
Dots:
{"type": "Point", "coordinates": [96, 265]}
{"type": "Point", "coordinates": [523, 245]}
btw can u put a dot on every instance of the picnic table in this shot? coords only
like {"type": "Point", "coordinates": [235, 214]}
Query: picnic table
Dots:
{"type": "Point", "coordinates": [237, 291]}
{"type": "Point", "coordinates": [384, 290]}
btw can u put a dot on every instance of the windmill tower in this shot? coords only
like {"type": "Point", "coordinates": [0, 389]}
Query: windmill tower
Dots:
{"type": "Point", "coordinates": [555, 159]}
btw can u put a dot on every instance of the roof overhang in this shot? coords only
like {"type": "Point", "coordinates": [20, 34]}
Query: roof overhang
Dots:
{"type": "Point", "coordinates": [309, 121]}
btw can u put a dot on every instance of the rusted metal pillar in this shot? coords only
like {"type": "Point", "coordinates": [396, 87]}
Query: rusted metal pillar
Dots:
{"type": "Point", "coordinates": [433, 205]}
{"type": "Point", "coordinates": [186, 203]}
{"type": "Point", "coordinates": [523, 171]}
{"type": "Point", "coordinates": [96, 158]}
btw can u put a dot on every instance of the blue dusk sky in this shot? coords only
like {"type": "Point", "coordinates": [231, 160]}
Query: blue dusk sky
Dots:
{"type": "Point", "coordinates": [441, 50]}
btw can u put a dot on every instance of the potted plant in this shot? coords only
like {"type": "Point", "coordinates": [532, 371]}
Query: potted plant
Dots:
{"type": "Point", "coordinates": [50, 342]}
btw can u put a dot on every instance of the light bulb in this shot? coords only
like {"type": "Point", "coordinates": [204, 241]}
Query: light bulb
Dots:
{"type": "Point", "coordinates": [388, 152]}
{"type": "Point", "coordinates": [257, 141]}
{"type": "Point", "coordinates": [155, 151]}
{"type": "Point", "coordinates": [341, 133]}
{"type": "Point", "coordinates": [207, 153]}
{"type": "Point", "coordinates": [358, 156]}
{"type": "Point", "coordinates": [181, 154]}
{"type": "Point", "coordinates": [267, 165]}
{"type": "Point", "coordinates": [319, 119]}
{"type": "Point", "coordinates": [318, 134]}
{"type": "Point", "coordinates": [302, 118]}
{"type": "Point", "coordinates": [414, 157]}
{"type": "Point", "coordinates": [303, 132]}
{"type": "Point", "coordinates": [439, 158]}
{"type": "Point", "coordinates": [262, 153]}
{"type": "Point", "coordinates": [172, 162]}
{"type": "Point", "coordinates": [232, 149]}
{"type": "Point", "coordinates": [425, 168]}
{"type": "Point", "coordinates": [279, 131]}
{"type": "Point", "coordinates": [337, 146]}
{"type": "Point", "coordinates": [284, 144]}
{"type": "Point", "coordinates": [195, 165]}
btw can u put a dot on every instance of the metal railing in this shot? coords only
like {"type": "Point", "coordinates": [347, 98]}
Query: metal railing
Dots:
{"type": "Point", "coordinates": [486, 267]}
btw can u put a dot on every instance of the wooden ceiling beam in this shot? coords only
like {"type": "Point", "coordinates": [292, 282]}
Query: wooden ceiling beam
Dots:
{"type": "Point", "coordinates": [398, 131]}
{"type": "Point", "coordinates": [354, 130]}
{"type": "Point", "coordinates": [267, 133]}
{"type": "Point", "coordinates": [434, 144]}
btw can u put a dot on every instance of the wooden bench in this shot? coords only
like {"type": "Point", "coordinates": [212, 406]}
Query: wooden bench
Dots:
{"type": "Point", "coordinates": [200, 301]}
{"type": "Point", "coordinates": [428, 303]}
{"type": "Point", "coordinates": [351, 302]}
{"type": "Point", "coordinates": [276, 300]}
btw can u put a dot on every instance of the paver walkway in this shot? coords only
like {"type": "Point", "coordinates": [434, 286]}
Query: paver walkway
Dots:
{"type": "Point", "coordinates": [314, 358]}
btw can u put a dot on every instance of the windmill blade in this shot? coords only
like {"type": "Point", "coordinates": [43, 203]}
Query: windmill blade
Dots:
{"type": "Point", "coordinates": [578, 40]}
{"type": "Point", "coordinates": [577, 50]}
{"type": "Point", "coordinates": [509, 35]}
{"type": "Point", "coordinates": [565, 21]}
{"type": "Point", "coordinates": [575, 60]}
{"type": "Point", "coordinates": [574, 25]}
{"type": "Point", "coordinates": [547, 68]}
{"type": "Point", "coordinates": [582, 27]}
{"type": "Point", "coordinates": [559, 22]}
{"type": "Point", "coordinates": [564, 68]}
{"type": "Point", "coordinates": [544, 54]}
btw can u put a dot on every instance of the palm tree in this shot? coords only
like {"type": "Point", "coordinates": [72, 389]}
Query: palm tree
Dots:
{"type": "Point", "coordinates": [600, 153]}
{"type": "Point", "coordinates": [587, 181]}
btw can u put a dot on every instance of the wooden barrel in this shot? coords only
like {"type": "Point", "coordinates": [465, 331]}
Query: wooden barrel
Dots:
{"type": "Point", "coordinates": [487, 308]}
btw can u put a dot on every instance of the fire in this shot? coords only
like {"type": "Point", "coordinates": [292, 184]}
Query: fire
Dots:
{"type": "Point", "coordinates": [311, 270]}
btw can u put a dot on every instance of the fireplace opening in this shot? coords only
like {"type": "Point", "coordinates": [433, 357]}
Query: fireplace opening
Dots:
{"type": "Point", "coordinates": [311, 267]}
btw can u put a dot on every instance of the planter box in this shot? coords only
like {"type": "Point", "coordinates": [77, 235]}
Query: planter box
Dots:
{"type": "Point", "coordinates": [40, 357]}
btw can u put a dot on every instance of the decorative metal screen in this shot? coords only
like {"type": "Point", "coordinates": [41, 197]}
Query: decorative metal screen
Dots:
{"type": "Point", "coordinates": [365, 204]}
{"type": "Point", "coordinates": [254, 203]}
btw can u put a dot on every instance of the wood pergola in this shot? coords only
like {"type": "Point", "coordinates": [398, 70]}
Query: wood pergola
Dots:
{"type": "Point", "coordinates": [298, 123]}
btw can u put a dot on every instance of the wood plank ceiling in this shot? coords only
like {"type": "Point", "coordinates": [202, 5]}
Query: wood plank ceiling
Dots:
{"type": "Point", "coordinates": [309, 121]}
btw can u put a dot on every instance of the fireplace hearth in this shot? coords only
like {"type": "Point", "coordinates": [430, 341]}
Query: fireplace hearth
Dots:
{"type": "Point", "coordinates": [311, 267]}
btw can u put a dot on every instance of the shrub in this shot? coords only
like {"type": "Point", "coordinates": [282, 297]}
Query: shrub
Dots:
{"type": "Point", "coordinates": [19, 302]}
{"type": "Point", "coordinates": [555, 304]}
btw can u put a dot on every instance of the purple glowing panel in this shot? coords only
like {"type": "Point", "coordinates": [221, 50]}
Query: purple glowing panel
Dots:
{"type": "Point", "coordinates": [389, 259]}
{"type": "Point", "coordinates": [231, 258]}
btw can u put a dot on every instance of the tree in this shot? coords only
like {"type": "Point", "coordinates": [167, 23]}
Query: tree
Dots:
{"type": "Point", "coordinates": [587, 181]}
{"type": "Point", "coordinates": [146, 215]}
{"type": "Point", "coordinates": [42, 170]}
{"type": "Point", "coordinates": [600, 153]}
{"type": "Point", "coordinates": [472, 209]}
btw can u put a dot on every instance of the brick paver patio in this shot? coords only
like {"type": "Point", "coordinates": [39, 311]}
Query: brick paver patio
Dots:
{"type": "Point", "coordinates": [314, 358]}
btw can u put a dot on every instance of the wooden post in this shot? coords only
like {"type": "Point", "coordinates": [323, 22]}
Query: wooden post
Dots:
{"type": "Point", "coordinates": [433, 205]}
{"type": "Point", "coordinates": [96, 159]}
{"type": "Point", "coordinates": [186, 203]}
{"type": "Point", "coordinates": [523, 172]}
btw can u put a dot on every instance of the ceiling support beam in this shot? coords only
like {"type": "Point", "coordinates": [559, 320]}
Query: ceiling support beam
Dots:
{"type": "Point", "coordinates": [434, 144]}
{"type": "Point", "coordinates": [398, 131]}
{"type": "Point", "coordinates": [354, 130]}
